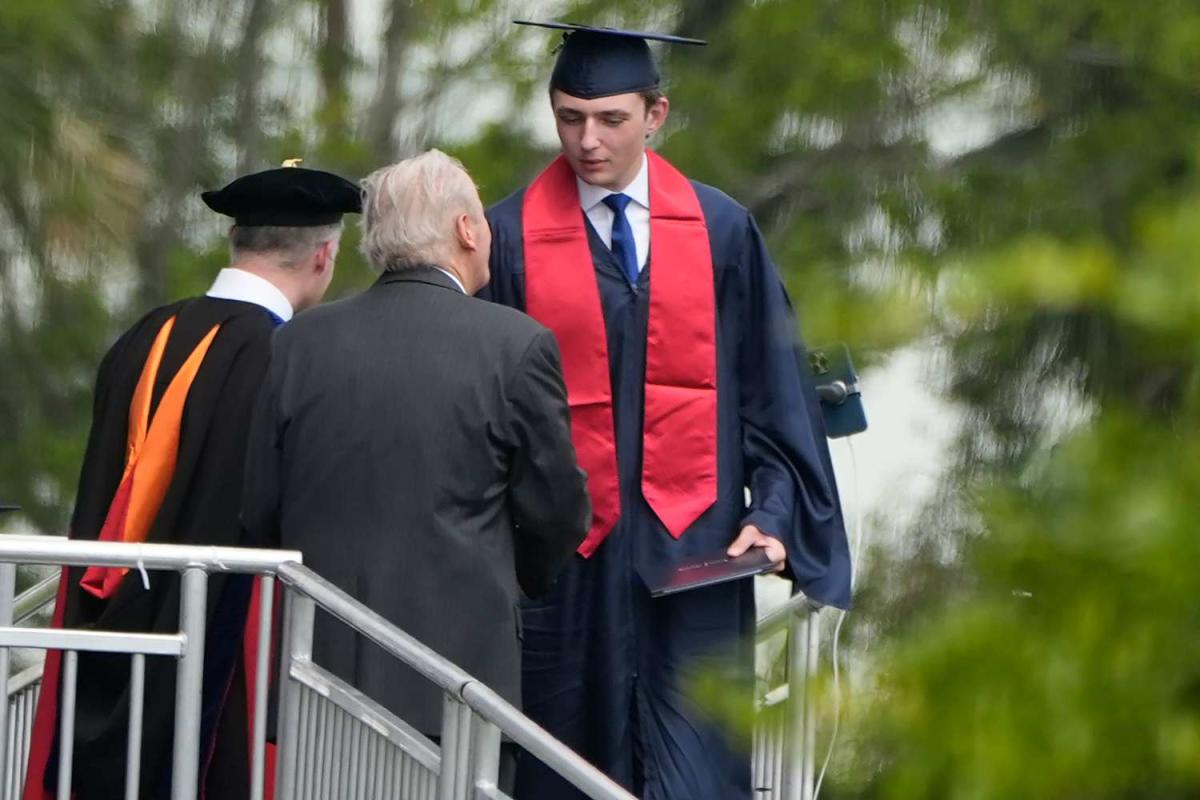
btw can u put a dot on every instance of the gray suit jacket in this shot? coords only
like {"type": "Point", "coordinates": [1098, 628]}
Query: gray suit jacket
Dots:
{"type": "Point", "coordinates": [414, 444]}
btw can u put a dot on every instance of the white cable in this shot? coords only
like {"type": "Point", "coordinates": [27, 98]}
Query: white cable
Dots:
{"type": "Point", "coordinates": [837, 630]}
{"type": "Point", "coordinates": [212, 554]}
{"type": "Point", "coordinates": [141, 566]}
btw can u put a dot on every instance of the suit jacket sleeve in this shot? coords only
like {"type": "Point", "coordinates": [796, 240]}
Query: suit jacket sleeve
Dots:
{"type": "Point", "coordinates": [793, 493]}
{"type": "Point", "coordinates": [547, 489]}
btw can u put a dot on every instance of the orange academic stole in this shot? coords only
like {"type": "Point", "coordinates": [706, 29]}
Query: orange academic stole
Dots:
{"type": "Point", "coordinates": [152, 448]}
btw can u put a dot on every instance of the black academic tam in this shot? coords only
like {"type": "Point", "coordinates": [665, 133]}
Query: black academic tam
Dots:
{"type": "Point", "coordinates": [286, 197]}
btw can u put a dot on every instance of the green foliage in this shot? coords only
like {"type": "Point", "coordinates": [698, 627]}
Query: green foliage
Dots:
{"type": "Point", "coordinates": [501, 160]}
{"type": "Point", "coordinates": [1067, 667]}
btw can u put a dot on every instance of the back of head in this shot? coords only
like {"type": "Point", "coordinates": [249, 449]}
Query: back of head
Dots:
{"type": "Point", "coordinates": [409, 211]}
{"type": "Point", "coordinates": [285, 247]}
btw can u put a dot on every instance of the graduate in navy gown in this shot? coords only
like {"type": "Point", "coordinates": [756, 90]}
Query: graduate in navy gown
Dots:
{"type": "Point", "coordinates": [684, 373]}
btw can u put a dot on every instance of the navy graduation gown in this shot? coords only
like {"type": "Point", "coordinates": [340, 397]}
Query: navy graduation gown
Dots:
{"type": "Point", "coordinates": [606, 667]}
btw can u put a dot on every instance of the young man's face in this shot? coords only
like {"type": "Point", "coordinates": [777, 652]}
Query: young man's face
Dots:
{"type": "Point", "coordinates": [604, 139]}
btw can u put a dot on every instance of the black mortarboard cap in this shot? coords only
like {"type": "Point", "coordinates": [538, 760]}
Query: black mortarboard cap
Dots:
{"type": "Point", "coordinates": [600, 62]}
{"type": "Point", "coordinates": [288, 196]}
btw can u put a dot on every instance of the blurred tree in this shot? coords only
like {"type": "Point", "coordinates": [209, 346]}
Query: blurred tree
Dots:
{"type": "Point", "coordinates": [69, 193]}
{"type": "Point", "coordinates": [115, 115]}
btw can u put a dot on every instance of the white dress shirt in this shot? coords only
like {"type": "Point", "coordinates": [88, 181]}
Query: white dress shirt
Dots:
{"type": "Point", "coordinates": [237, 284]}
{"type": "Point", "coordinates": [591, 199]}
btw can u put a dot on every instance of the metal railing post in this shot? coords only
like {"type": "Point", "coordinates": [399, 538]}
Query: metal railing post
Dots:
{"type": "Point", "coordinates": [262, 659]}
{"type": "Point", "coordinates": [8, 589]}
{"type": "Point", "coordinates": [456, 749]}
{"type": "Point", "coordinates": [298, 635]}
{"type": "Point", "coordinates": [795, 785]}
{"type": "Point", "coordinates": [66, 733]}
{"type": "Point", "coordinates": [189, 684]}
{"type": "Point", "coordinates": [137, 702]}
{"type": "Point", "coordinates": [812, 653]}
{"type": "Point", "coordinates": [485, 755]}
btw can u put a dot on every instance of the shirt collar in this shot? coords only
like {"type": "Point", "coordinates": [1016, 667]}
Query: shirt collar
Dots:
{"type": "Point", "coordinates": [237, 284]}
{"type": "Point", "coordinates": [638, 190]}
{"type": "Point", "coordinates": [452, 277]}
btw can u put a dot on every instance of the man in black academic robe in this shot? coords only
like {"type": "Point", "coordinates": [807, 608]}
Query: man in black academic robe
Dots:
{"type": "Point", "coordinates": [283, 243]}
{"type": "Point", "coordinates": [608, 668]}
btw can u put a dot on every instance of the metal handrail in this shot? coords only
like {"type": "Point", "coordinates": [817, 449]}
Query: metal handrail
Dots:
{"type": "Point", "coordinates": [194, 563]}
{"type": "Point", "coordinates": [151, 644]}
{"type": "Point", "coordinates": [798, 616]}
{"type": "Point", "coordinates": [35, 598]}
{"type": "Point", "coordinates": [55, 550]}
{"type": "Point", "coordinates": [454, 681]}
{"type": "Point", "coordinates": [495, 717]}
{"type": "Point", "coordinates": [778, 617]}
{"type": "Point", "coordinates": [435, 668]}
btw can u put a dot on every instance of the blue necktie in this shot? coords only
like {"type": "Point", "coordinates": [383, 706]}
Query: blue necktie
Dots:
{"type": "Point", "coordinates": [278, 320]}
{"type": "Point", "coordinates": [622, 236]}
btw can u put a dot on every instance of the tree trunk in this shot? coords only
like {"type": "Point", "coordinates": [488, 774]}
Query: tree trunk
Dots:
{"type": "Point", "coordinates": [333, 65]}
{"type": "Point", "coordinates": [250, 69]}
{"type": "Point", "coordinates": [160, 233]}
{"type": "Point", "coordinates": [388, 102]}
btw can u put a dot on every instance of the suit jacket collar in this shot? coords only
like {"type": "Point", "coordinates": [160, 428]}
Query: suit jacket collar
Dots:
{"type": "Point", "coordinates": [423, 274]}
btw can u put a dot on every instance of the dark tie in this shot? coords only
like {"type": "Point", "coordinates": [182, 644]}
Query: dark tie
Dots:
{"type": "Point", "coordinates": [278, 320]}
{"type": "Point", "coordinates": [622, 236]}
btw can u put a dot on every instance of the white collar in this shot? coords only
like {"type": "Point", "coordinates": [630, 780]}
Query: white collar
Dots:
{"type": "Point", "coordinates": [638, 190]}
{"type": "Point", "coordinates": [238, 284]}
{"type": "Point", "coordinates": [452, 277]}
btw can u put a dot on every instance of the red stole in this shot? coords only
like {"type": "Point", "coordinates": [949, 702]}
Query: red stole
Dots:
{"type": "Point", "coordinates": [679, 436]}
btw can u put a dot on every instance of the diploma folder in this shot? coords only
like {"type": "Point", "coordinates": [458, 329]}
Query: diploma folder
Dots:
{"type": "Point", "coordinates": [711, 570]}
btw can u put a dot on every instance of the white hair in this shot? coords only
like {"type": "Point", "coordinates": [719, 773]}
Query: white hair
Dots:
{"type": "Point", "coordinates": [409, 210]}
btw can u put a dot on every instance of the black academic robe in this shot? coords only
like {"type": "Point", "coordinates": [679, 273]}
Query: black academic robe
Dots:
{"type": "Point", "coordinates": [201, 506]}
{"type": "Point", "coordinates": [606, 668]}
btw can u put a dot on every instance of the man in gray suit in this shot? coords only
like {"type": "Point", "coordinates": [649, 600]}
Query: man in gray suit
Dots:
{"type": "Point", "coordinates": [414, 443]}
